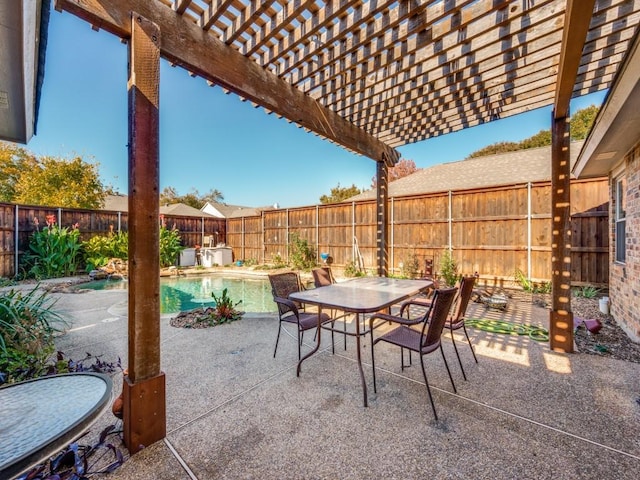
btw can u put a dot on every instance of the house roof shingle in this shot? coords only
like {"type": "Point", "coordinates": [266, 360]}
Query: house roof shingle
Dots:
{"type": "Point", "coordinates": [522, 166]}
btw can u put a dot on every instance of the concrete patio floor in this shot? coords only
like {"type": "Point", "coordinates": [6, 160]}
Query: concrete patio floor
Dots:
{"type": "Point", "coordinates": [233, 411]}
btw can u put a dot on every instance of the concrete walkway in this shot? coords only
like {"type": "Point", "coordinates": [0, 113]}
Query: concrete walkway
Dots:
{"type": "Point", "coordinates": [233, 411]}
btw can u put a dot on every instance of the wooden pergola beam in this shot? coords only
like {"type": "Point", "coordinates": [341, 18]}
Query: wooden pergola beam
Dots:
{"type": "Point", "coordinates": [576, 26]}
{"type": "Point", "coordinates": [199, 52]}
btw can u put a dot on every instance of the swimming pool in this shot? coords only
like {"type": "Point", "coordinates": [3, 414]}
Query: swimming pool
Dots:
{"type": "Point", "coordinates": [178, 294]}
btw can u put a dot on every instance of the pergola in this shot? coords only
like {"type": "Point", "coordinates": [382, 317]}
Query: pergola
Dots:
{"type": "Point", "coordinates": [368, 75]}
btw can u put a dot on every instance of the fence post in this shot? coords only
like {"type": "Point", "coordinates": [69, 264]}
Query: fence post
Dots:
{"type": "Point", "coordinates": [353, 231]}
{"type": "Point", "coordinates": [60, 217]}
{"type": "Point", "coordinates": [119, 222]}
{"type": "Point", "coordinates": [450, 221]}
{"type": "Point", "coordinates": [391, 234]}
{"type": "Point", "coordinates": [264, 246]}
{"type": "Point", "coordinates": [244, 254]}
{"type": "Point", "coordinates": [16, 241]}
{"type": "Point", "coordinates": [529, 230]}
{"type": "Point", "coordinates": [317, 234]}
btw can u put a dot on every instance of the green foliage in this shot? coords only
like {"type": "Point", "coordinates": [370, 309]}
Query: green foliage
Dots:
{"type": "Point", "coordinates": [170, 246]}
{"type": "Point", "coordinates": [351, 270]}
{"type": "Point", "coordinates": [13, 162]}
{"type": "Point", "coordinates": [170, 195]}
{"type": "Point", "coordinates": [339, 194]}
{"type": "Point", "coordinates": [449, 269]}
{"type": "Point", "coordinates": [225, 309]}
{"type": "Point", "coordinates": [530, 286]}
{"type": "Point", "coordinates": [302, 255]}
{"type": "Point", "coordinates": [580, 124]}
{"type": "Point", "coordinates": [53, 251]}
{"type": "Point", "coordinates": [410, 266]}
{"type": "Point", "coordinates": [586, 291]}
{"type": "Point", "coordinates": [27, 328]}
{"type": "Point", "coordinates": [60, 182]}
{"type": "Point", "coordinates": [99, 250]}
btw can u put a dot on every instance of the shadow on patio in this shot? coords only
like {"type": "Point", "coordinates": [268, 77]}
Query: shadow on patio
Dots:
{"type": "Point", "coordinates": [233, 411]}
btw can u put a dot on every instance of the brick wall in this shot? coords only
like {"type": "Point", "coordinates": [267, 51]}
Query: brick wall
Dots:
{"type": "Point", "coordinates": [624, 279]}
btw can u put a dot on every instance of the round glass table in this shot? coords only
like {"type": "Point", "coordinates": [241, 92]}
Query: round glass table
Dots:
{"type": "Point", "coordinates": [40, 417]}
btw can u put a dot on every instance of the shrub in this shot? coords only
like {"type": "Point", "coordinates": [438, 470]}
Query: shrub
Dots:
{"type": "Point", "coordinates": [449, 269]}
{"type": "Point", "coordinates": [529, 285]}
{"type": "Point", "coordinates": [586, 291]}
{"type": "Point", "coordinates": [352, 270]}
{"type": "Point", "coordinates": [301, 255]}
{"type": "Point", "coordinates": [99, 250]}
{"type": "Point", "coordinates": [224, 311]}
{"type": "Point", "coordinates": [53, 251]}
{"type": "Point", "coordinates": [410, 266]}
{"type": "Point", "coordinates": [170, 246]}
{"type": "Point", "coordinates": [27, 328]}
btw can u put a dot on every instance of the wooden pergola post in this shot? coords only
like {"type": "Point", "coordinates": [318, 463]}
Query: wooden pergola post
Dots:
{"type": "Point", "coordinates": [382, 215]}
{"type": "Point", "coordinates": [561, 317]}
{"type": "Point", "coordinates": [144, 409]}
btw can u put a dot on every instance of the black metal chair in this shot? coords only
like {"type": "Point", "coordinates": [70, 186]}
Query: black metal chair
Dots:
{"type": "Point", "coordinates": [423, 341]}
{"type": "Point", "coordinates": [455, 321]}
{"type": "Point", "coordinates": [322, 277]}
{"type": "Point", "coordinates": [283, 285]}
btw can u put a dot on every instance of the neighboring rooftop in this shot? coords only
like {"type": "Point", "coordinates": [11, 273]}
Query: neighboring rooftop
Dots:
{"type": "Point", "coordinates": [512, 168]}
{"type": "Point", "coordinates": [120, 203]}
{"type": "Point", "coordinates": [224, 210]}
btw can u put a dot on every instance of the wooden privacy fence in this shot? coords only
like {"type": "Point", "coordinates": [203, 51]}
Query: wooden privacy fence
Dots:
{"type": "Point", "coordinates": [17, 224]}
{"type": "Point", "coordinates": [492, 231]}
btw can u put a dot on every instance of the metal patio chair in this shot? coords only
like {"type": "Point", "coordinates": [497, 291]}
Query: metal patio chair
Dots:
{"type": "Point", "coordinates": [322, 277]}
{"type": "Point", "coordinates": [455, 321]}
{"type": "Point", "coordinates": [423, 341]}
{"type": "Point", "coordinates": [282, 285]}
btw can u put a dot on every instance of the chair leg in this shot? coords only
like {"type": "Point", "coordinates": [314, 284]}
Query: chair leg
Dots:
{"type": "Point", "coordinates": [277, 339]}
{"type": "Point", "coordinates": [426, 382]}
{"type": "Point", "coordinates": [373, 363]}
{"type": "Point", "coordinates": [457, 354]}
{"type": "Point", "coordinates": [300, 336]}
{"type": "Point", "coordinates": [469, 341]}
{"type": "Point", "coordinates": [448, 371]}
{"type": "Point", "coordinates": [402, 358]}
{"type": "Point", "coordinates": [344, 326]}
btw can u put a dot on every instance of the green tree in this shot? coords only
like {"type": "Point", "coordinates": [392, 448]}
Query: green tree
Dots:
{"type": "Point", "coordinates": [581, 122]}
{"type": "Point", "coordinates": [12, 162]}
{"type": "Point", "coordinates": [339, 194]}
{"type": "Point", "coordinates": [194, 199]}
{"type": "Point", "coordinates": [59, 182]}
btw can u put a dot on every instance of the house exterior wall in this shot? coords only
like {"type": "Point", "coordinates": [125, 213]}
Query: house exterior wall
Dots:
{"type": "Point", "coordinates": [624, 278]}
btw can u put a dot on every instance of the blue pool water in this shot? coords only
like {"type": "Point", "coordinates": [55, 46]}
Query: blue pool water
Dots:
{"type": "Point", "coordinates": [179, 294]}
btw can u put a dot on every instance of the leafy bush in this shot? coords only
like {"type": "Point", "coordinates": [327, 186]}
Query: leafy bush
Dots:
{"type": "Point", "coordinates": [529, 285]}
{"type": "Point", "coordinates": [99, 250]}
{"type": "Point", "coordinates": [53, 251]}
{"type": "Point", "coordinates": [301, 255]}
{"type": "Point", "coordinates": [352, 270]}
{"type": "Point", "coordinates": [586, 291]}
{"type": "Point", "coordinates": [449, 269]}
{"type": "Point", "coordinates": [410, 266]}
{"type": "Point", "coordinates": [170, 246]}
{"type": "Point", "coordinates": [225, 309]}
{"type": "Point", "coordinates": [27, 328]}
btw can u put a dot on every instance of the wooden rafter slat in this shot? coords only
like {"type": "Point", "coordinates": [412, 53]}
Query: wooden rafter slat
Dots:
{"type": "Point", "coordinates": [290, 10]}
{"type": "Point", "coordinates": [491, 40]}
{"type": "Point", "coordinates": [180, 6]}
{"type": "Point", "coordinates": [188, 46]}
{"type": "Point", "coordinates": [245, 19]}
{"type": "Point", "coordinates": [215, 10]}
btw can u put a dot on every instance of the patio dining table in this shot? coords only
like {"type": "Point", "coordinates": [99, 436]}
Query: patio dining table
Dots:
{"type": "Point", "coordinates": [359, 296]}
{"type": "Point", "coordinates": [40, 417]}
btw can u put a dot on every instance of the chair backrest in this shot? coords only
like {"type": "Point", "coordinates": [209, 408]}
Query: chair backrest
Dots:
{"type": "Point", "coordinates": [322, 276]}
{"type": "Point", "coordinates": [465, 290]}
{"type": "Point", "coordinates": [437, 315]}
{"type": "Point", "coordinates": [282, 285]}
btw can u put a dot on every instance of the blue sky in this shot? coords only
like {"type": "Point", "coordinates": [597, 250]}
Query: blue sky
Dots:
{"type": "Point", "coordinates": [209, 139]}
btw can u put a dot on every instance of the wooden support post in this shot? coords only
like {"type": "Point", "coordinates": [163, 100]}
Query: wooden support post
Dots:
{"type": "Point", "coordinates": [561, 317]}
{"type": "Point", "coordinates": [144, 386]}
{"type": "Point", "coordinates": [382, 211]}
